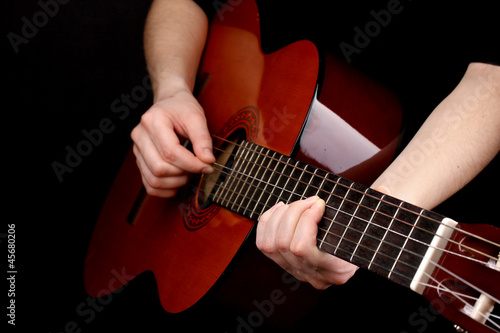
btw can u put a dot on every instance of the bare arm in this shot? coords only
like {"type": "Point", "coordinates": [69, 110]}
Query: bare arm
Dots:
{"type": "Point", "coordinates": [456, 142]}
{"type": "Point", "coordinates": [174, 38]}
{"type": "Point", "coordinates": [460, 137]}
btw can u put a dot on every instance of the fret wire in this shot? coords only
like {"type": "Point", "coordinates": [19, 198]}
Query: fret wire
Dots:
{"type": "Point", "coordinates": [337, 183]}
{"type": "Point", "coordinates": [410, 279]}
{"type": "Point", "coordinates": [408, 264]}
{"type": "Point", "coordinates": [373, 214]}
{"type": "Point", "coordinates": [320, 185]}
{"type": "Point", "coordinates": [245, 165]}
{"type": "Point", "coordinates": [217, 191]}
{"type": "Point", "coordinates": [369, 208]}
{"type": "Point", "coordinates": [362, 234]}
{"type": "Point", "coordinates": [399, 234]}
{"type": "Point", "coordinates": [295, 187]}
{"type": "Point", "coordinates": [348, 224]}
{"type": "Point", "coordinates": [229, 182]}
{"type": "Point", "coordinates": [326, 202]}
{"type": "Point", "coordinates": [374, 224]}
{"type": "Point", "coordinates": [366, 260]}
{"type": "Point", "coordinates": [250, 173]}
{"type": "Point", "coordinates": [404, 245]}
{"type": "Point", "coordinates": [361, 245]}
{"type": "Point", "coordinates": [473, 299]}
{"type": "Point", "coordinates": [265, 183]}
{"type": "Point", "coordinates": [369, 223]}
{"type": "Point", "coordinates": [439, 222]}
{"type": "Point", "coordinates": [396, 233]}
{"type": "Point", "coordinates": [432, 278]}
{"type": "Point", "coordinates": [309, 183]}
{"type": "Point", "coordinates": [294, 166]}
{"type": "Point", "coordinates": [385, 234]}
{"type": "Point", "coordinates": [275, 187]}
{"type": "Point", "coordinates": [280, 196]}
{"type": "Point", "coordinates": [427, 217]}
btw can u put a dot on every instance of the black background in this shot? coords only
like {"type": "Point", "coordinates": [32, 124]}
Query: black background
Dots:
{"type": "Point", "coordinates": [63, 81]}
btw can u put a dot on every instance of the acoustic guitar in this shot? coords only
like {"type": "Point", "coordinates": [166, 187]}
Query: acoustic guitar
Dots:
{"type": "Point", "coordinates": [288, 125]}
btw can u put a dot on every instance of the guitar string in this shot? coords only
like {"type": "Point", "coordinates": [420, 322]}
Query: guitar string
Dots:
{"type": "Point", "coordinates": [402, 235]}
{"type": "Point", "coordinates": [490, 317]}
{"type": "Point", "coordinates": [361, 192]}
{"type": "Point", "coordinates": [381, 213]}
{"type": "Point", "coordinates": [446, 289]}
{"type": "Point", "coordinates": [353, 229]}
{"type": "Point", "coordinates": [456, 294]}
{"type": "Point", "coordinates": [470, 285]}
{"type": "Point", "coordinates": [465, 281]}
{"type": "Point", "coordinates": [371, 209]}
{"type": "Point", "coordinates": [368, 195]}
{"type": "Point", "coordinates": [353, 242]}
{"type": "Point", "coordinates": [487, 317]}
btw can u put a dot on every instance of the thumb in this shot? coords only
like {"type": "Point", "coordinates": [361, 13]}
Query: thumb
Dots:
{"type": "Point", "coordinates": [201, 140]}
{"type": "Point", "coordinates": [316, 209]}
{"type": "Point", "coordinates": [382, 189]}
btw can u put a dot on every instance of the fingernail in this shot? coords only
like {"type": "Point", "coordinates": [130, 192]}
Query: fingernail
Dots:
{"type": "Point", "coordinates": [383, 189]}
{"type": "Point", "coordinates": [207, 170]}
{"type": "Point", "coordinates": [279, 204]}
{"type": "Point", "coordinates": [313, 198]}
{"type": "Point", "coordinates": [208, 152]}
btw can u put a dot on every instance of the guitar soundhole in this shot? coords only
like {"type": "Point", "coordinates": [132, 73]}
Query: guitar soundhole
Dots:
{"type": "Point", "coordinates": [224, 159]}
{"type": "Point", "coordinates": [199, 209]}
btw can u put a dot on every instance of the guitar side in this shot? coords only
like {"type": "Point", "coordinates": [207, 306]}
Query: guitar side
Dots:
{"type": "Point", "coordinates": [271, 98]}
{"type": "Point", "coordinates": [165, 236]}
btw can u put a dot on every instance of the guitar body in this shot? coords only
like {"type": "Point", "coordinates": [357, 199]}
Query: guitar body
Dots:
{"type": "Point", "coordinates": [293, 101]}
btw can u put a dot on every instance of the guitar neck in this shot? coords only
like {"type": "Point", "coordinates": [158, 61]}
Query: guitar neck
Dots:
{"type": "Point", "coordinates": [360, 225]}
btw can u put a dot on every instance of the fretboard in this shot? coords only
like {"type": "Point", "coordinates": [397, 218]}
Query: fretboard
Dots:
{"type": "Point", "coordinates": [365, 227]}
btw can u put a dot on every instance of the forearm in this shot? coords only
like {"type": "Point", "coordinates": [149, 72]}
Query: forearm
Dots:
{"type": "Point", "coordinates": [456, 142]}
{"type": "Point", "coordinates": [174, 38]}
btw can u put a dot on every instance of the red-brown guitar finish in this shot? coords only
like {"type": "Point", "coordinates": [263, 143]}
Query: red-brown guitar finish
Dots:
{"type": "Point", "coordinates": [456, 284]}
{"type": "Point", "coordinates": [269, 96]}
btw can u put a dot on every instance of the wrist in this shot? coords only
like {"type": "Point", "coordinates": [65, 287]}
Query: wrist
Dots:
{"type": "Point", "coordinates": [164, 88]}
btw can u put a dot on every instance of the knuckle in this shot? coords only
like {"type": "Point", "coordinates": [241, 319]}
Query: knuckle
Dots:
{"type": "Point", "coordinates": [206, 137]}
{"type": "Point", "coordinates": [168, 154]}
{"type": "Point", "coordinates": [268, 247]}
{"type": "Point", "coordinates": [133, 134]}
{"type": "Point", "coordinates": [147, 117]}
{"type": "Point", "coordinates": [319, 284]}
{"type": "Point", "coordinates": [341, 278]}
{"type": "Point", "coordinates": [282, 243]}
{"type": "Point", "coordinates": [338, 280]}
{"type": "Point", "coordinates": [298, 248]}
{"type": "Point", "coordinates": [154, 182]}
{"type": "Point", "coordinates": [158, 170]}
{"type": "Point", "coordinates": [169, 193]}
